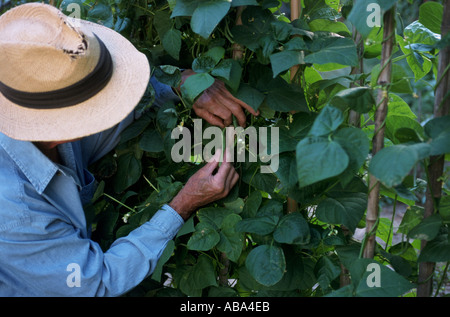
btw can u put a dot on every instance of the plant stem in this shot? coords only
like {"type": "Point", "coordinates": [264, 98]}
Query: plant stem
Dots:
{"type": "Point", "coordinates": [378, 138]}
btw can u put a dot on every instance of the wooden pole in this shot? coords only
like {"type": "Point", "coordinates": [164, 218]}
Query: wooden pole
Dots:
{"type": "Point", "coordinates": [292, 205]}
{"type": "Point", "coordinates": [436, 163]}
{"type": "Point", "coordinates": [384, 80]}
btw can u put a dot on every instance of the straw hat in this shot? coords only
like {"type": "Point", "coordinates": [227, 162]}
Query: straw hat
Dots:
{"type": "Point", "coordinates": [62, 79]}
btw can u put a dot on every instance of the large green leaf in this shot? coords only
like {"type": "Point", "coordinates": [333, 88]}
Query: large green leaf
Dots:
{"type": "Point", "coordinates": [231, 242]}
{"type": "Point", "coordinates": [194, 85]}
{"type": "Point", "coordinates": [204, 238]}
{"type": "Point", "coordinates": [251, 96]}
{"type": "Point", "coordinates": [266, 263]}
{"type": "Point", "coordinates": [319, 159]}
{"type": "Point", "coordinates": [391, 164]}
{"type": "Point", "coordinates": [438, 129]}
{"type": "Point", "coordinates": [333, 50]}
{"type": "Point", "coordinates": [428, 229]}
{"type": "Point", "coordinates": [199, 276]}
{"type": "Point", "coordinates": [172, 42]}
{"type": "Point", "coordinates": [356, 144]}
{"type": "Point", "coordinates": [151, 141]}
{"type": "Point", "coordinates": [328, 120]}
{"type": "Point", "coordinates": [365, 13]}
{"type": "Point", "coordinates": [284, 60]}
{"type": "Point", "coordinates": [359, 99]}
{"type": "Point", "coordinates": [207, 16]}
{"type": "Point", "coordinates": [343, 208]}
{"type": "Point", "coordinates": [430, 15]}
{"type": "Point", "coordinates": [367, 271]}
{"type": "Point", "coordinates": [437, 250]}
{"type": "Point", "coordinates": [260, 225]}
{"type": "Point", "coordinates": [292, 229]}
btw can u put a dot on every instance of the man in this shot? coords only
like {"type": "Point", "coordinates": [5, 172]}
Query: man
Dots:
{"type": "Point", "coordinates": [66, 93]}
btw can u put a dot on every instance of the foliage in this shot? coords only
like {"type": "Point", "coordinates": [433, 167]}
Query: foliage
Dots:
{"type": "Point", "coordinates": [248, 244]}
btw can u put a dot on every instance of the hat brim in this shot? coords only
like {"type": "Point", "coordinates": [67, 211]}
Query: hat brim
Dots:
{"type": "Point", "coordinates": [131, 74]}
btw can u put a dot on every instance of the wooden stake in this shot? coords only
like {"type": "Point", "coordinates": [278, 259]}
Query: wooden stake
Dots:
{"type": "Point", "coordinates": [384, 80]}
{"type": "Point", "coordinates": [436, 164]}
{"type": "Point", "coordinates": [292, 205]}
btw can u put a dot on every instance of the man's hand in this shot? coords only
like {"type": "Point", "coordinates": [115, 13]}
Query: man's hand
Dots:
{"type": "Point", "coordinates": [217, 105]}
{"type": "Point", "coordinates": [205, 186]}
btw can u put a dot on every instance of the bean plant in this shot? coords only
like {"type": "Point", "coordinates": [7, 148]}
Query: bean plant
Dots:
{"type": "Point", "coordinates": [322, 72]}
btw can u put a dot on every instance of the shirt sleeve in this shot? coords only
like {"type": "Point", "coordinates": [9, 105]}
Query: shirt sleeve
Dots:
{"type": "Point", "coordinates": [45, 255]}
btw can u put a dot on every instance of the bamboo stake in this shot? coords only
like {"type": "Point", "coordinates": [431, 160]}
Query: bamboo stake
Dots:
{"type": "Point", "coordinates": [384, 80]}
{"type": "Point", "coordinates": [436, 163]}
{"type": "Point", "coordinates": [292, 205]}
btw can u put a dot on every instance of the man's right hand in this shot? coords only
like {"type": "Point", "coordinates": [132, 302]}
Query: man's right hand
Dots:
{"type": "Point", "coordinates": [205, 186]}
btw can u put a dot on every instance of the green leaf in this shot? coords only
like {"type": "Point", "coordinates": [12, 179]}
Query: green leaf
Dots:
{"type": "Point", "coordinates": [437, 250]}
{"type": "Point", "coordinates": [430, 15]}
{"type": "Point", "coordinates": [359, 99]}
{"type": "Point", "coordinates": [207, 16]}
{"type": "Point", "coordinates": [428, 229]}
{"type": "Point", "coordinates": [260, 225]}
{"type": "Point", "coordinates": [328, 26]}
{"type": "Point", "coordinates": [231, 242]}
{"type": "Point", "coordinates": [400, 82]}
{"type": "Point", "coordinates": [168, 74]}
{"type": "Point", "coordinates": [129, 170]}
{"type": "Point", "coordinates": [412, 217]}
{"type": "Point", "coordinates": [292, 229]}
{"type": "Point", "coordinates": [230, 71]}
{"type": "Point", "coordinates": [356, 144]}
{"type": "Point", "coordinates": [326, 271]}
{"type": "Point", "coordinates": [328, 120]}
{"type": "Point", "coordinates": [184, 8]}
{"type": "Point", "coordinates": [203, 64]}
{"type": "Point", "coordinates": [171, 42]}
{"type": "Point", "coordinates": [362, 12]}
{"type": "Point", "coordinates": [391, 283]}
{"type": "Point", "coordinates": [343, 208]}
{"type": "Point", "coordinates": [398, 107]}
{"type": "Point", "coordinates": [391, 164]}
{"type": "Point", "coordinates": [251, 96]}
{"type": "Point", "coordinates": [266, 263]}
{"type": "Point", "coordinates": [199, 276]}
{"type": "Point", "coordinates": [101, 14]}
{"type": "Point", "coordinates": [438, 129]}
{"type": "Point", "coordinates": [319, 159]}
{"type": "Point", "coordinates": [151, 141]}
{"type": "Point", "coordinates": [333, 50]}
{"type": "Point", "coordinates": [284, 97]}
{"type": "Point", "coordinates": [396, 125]}
{"type": "Point", "coordinates": [204, 238]}
{"type": "Point", "coordinates": [284, 60]}
{"type": "Point", "coordinates": [252, 204]}
{"type": "Point", "coordinates": [213, 216]}
{"type": "Point", "coordinates": [194, 85]}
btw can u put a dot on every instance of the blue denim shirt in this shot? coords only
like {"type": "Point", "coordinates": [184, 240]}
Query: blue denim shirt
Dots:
{"type": "Point", "coordinates": [45, 247]}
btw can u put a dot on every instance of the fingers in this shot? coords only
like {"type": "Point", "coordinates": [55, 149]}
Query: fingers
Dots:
{"type": "Point", "coordinates": [208, 116]}
{"type": "Point", "coordinates": [217, 106]}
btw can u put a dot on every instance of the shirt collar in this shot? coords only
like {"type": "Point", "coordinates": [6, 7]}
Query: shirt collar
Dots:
{"type": "Point", "coordinates": [32, 162]}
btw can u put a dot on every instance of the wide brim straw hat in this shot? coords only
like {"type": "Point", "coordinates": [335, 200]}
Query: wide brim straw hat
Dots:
{"type": "Point", "coordinates": [63, 78]}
